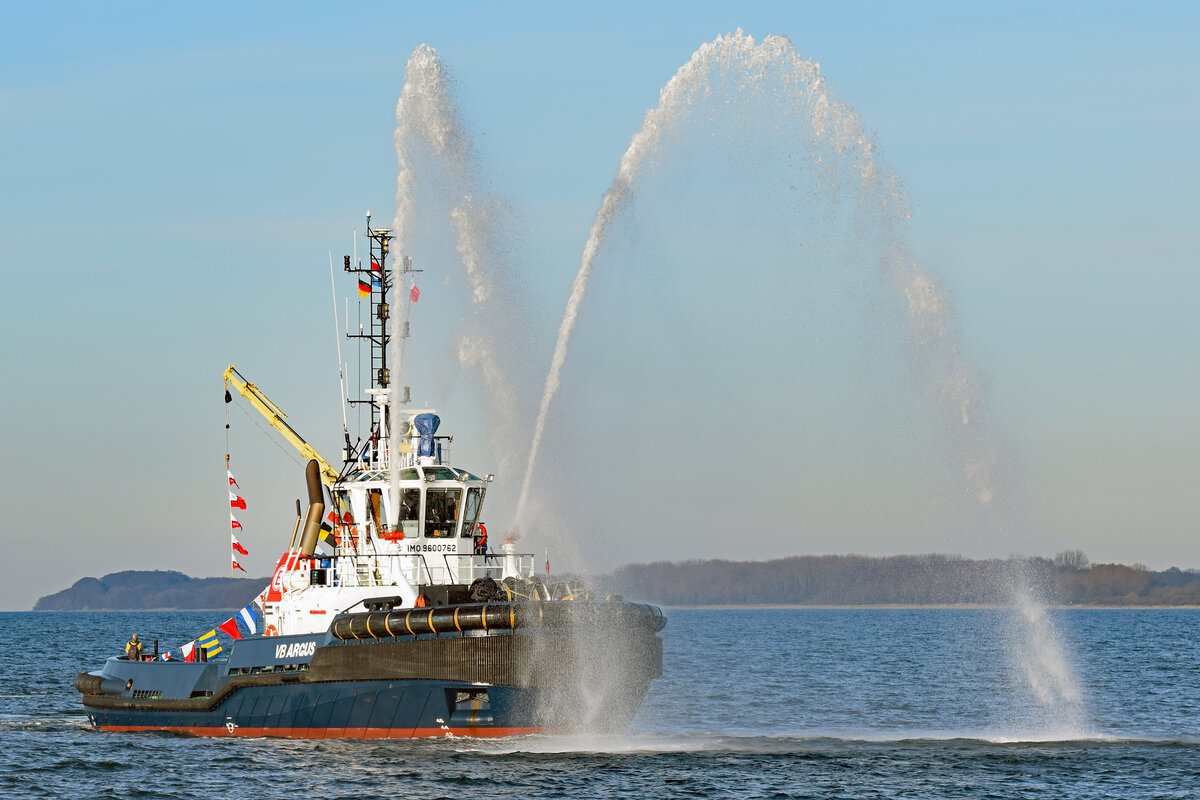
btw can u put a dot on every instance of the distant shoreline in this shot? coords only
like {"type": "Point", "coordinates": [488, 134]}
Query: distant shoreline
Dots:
{"type": "Point", "coordinates": [117, 610]}
{"type": "Point", "coordinates": [709, 607]}
{"type": "Point", "coordinates": [932, 581]}
{"type": "Point", "coordinates": [153, 590]}
{"type": "Point", "coordinates": [917, 607]}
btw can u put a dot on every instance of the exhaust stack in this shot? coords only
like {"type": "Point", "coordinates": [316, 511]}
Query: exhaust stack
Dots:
{"type": "Point", "coordinates": [316, 509]}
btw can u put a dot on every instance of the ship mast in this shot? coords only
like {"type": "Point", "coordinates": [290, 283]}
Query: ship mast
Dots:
{"type": "Point", "coordinates": [374, 284]}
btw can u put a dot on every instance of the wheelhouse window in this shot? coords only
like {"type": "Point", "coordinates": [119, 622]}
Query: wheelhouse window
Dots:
{"type": "Point", "coordinates": [441, 512]}
{"type": "Point", "coordinates": [438, 473]}
{"type": "Point", "coordinates": [410, 512]}
{"type": "Point", "coordinates": [375, 498]}
{"type": "Point", "coordinates": [471, 512]}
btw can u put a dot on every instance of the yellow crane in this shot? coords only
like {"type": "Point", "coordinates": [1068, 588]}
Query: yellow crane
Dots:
{"type": "Point", "coordinates": [272, 413]}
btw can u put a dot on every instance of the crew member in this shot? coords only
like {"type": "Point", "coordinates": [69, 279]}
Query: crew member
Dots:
{"type": "Point", "coordinates": [481, 541]}
{"type": "Point", "coordinates": [133, 648]}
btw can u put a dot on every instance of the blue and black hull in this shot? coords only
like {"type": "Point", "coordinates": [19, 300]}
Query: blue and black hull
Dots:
{"type": "Point", "coordinates": [478, 670]}
{"type": "Point", "coordinates": [351, 709]}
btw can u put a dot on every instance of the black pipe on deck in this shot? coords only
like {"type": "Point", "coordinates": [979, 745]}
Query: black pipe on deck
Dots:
{"type": "Point", "coordinates": [488, 617]}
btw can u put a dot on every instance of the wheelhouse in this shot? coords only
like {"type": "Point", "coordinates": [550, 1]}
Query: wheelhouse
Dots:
{"type": "Point", "coordinates": [433, 501]}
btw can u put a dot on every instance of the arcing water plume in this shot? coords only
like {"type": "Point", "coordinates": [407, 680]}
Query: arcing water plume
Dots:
{"type": "Point", "coordinates": [471, 223]}
{"type": "Point", "coordinates": [433, 157]}
{"type": "Point", "coordinates": [837, 134]}
{"type": "Point", "coordinates": [474, 352]}
{"type": "Point", "coordinates": [841, 157]}
{"type": "Point", "coordinates": [1038, 654]}
{"type": "Point", "coordinates": [422, 116]}
{"type": "Point", "coordinates": [468, 224]}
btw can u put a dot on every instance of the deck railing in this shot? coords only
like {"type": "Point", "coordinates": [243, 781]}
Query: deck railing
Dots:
{"type": "Point", "coordinates": [414, 568]}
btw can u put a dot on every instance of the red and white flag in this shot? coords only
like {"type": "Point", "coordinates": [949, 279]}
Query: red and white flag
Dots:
{"type": "Point", "coordinates": [189, 651]}
{"type": "Point", "coordinates": [232, 482]}
{"type": "Point", "coordinates": [234, 525]}
{"type": "Point", "coordinates": [235, 564]}
{"type": "Point", "coordinates": [414, 293]}
{"type": "Point", "coordinates": [236, 502]}
{"type": "Point", "coordinates": [237, 546]}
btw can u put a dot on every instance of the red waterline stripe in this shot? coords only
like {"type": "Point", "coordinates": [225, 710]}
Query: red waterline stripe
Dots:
{"type": "Point", "coordinates": [330, 733]}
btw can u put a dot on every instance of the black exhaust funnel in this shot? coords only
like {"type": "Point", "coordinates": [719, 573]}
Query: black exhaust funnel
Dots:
{"type": "Point", "coordinates": [316, 509]}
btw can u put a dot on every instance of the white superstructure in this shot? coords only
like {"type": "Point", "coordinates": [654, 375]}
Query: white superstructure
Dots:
{"type": "Point", "coordinates": [397, 524]}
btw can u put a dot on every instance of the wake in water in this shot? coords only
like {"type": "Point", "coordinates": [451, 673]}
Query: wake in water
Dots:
{"type": "Point", "coordinates": [782, 744]}
{"type": "Point", "coordinates": [44, 723]}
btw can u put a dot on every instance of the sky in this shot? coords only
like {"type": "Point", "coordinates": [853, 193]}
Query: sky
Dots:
{"type": "Point", "coordinates": [741, 384]}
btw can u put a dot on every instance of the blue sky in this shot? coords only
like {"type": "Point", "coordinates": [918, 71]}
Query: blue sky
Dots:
{"type": "Point", "coordinates": [172, 180]}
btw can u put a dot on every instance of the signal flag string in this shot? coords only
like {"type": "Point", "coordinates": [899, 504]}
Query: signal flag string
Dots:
{"type": "Point", "coordinates": [235, 500]}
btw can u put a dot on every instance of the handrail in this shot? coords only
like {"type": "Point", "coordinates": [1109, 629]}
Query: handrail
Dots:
{"type": "Point", "coordinates": [350, 564]}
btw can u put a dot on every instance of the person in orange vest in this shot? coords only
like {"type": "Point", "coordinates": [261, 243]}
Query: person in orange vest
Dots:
{"type": "Point", "coordinates": [481, 541]}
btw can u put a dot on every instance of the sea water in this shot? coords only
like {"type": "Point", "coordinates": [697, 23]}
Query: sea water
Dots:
{"type": "Point", "coordinates": [770, 703]}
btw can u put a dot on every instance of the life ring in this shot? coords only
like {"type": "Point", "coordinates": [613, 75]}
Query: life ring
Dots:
{"type": "Point", "coordinates": [270, 631]}
{"type": "Point", "coordinates": [422, 601]}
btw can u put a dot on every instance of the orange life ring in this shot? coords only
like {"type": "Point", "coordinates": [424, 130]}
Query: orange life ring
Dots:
{"type": "Point", "coordinates": [270, 631]}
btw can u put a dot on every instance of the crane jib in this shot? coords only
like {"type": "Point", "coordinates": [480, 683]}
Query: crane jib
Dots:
{"type": "Point", "coordinates": [274, 416]}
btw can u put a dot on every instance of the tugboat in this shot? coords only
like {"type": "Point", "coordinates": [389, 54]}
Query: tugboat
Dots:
{"type": "Point", "coordinates": [388, 617]}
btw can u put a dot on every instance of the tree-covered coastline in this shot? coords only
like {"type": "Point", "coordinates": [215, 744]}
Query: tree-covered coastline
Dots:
{"type": "Point", "coordinates": [158, 590]}
{"type": "Point", "coordinates": [842, 580]}
{"type": "Point", "coordinates": [856, 580]}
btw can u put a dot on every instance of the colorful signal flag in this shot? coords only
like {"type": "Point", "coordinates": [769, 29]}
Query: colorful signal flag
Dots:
{"type": "Point", "coordinates": [246, 616]}
{"type": "Point", "coordinates": [210, 643]}
{"type": "Point", "coordinates": [229, 628]}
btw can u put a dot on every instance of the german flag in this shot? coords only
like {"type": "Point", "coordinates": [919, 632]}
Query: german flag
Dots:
{"type": "Point", "coordinates": [364, 289]}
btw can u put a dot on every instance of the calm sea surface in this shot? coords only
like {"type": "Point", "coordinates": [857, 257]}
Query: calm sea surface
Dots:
{"type": "Point", "coordinates": [755, 703]}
